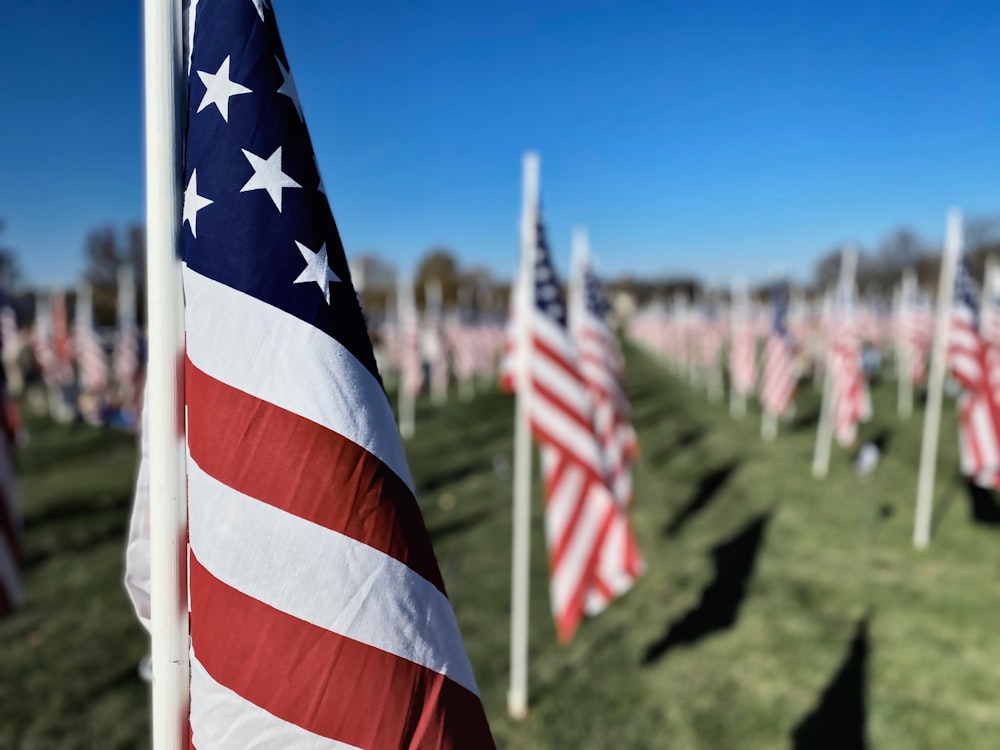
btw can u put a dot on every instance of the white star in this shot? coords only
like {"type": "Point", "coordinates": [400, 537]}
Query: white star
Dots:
{"type": "Point", "coordinates": [288, 88]}
{"type": "Point", "coordinates": [193, 203]}
{"type": "Point", "coordinates": [218, 89]}
{"type": "Point", "coordinates": [267, 175]}
{"type": "Point", "coordinates": [317, 269]}
{"type": "Point", "coordinates": [259, 5]}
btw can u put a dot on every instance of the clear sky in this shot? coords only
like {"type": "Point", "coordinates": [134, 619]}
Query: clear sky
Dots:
{"type": "Point", "coordinates": [712, 138]}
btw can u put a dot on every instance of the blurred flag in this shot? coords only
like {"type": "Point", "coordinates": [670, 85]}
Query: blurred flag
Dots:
{"type": "Point", "coordinates": [743, 352]}
{"type": "Point", "coordinates": [779, 379]}
{"type": "Point", "coordinates": [91, 358]}
{"type": "Point", "coordinates": [579, 506]}
{"type": "Point", "coordinates": [601, 365]}
{"type": "Point", "coordinates": [851, 401]}
{"type": "Point", "coordinates": [318, 614]}
{"type": "Point", "coordinates": [125, 355]}
{"type": "Point", "coordinates": [11, 593]}
{"type": "Point", "coordinates": [975, 365]}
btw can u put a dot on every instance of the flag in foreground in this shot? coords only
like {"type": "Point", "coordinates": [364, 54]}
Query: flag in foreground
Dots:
{"type": "Point", "coordinates": [975, 365]}
{"type": "Point", "coordinates": [579, 506]}
{"type": "Point", "coordinates": [318, 614]}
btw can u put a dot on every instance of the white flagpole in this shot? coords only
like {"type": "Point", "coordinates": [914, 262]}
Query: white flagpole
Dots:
{"type": "Point", "coordinates": [739, 319]}
{"type": "Point", "coordinates": [517, 697]}
{"type": "Point", "coordinates": [167, 493]}
{"type": "Point", "coordinates": [406, 311]}
{"type": "Point", "coordinates": [824, 432]}
{"type": "Point", "coordinates": [935, 383]}
{"type": "Point", "coordinates": [904, 359]}
{"type": "Point", "coordinates": [433, 306]}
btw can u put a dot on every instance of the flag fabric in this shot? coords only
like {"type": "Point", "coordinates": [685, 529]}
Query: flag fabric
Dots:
{"type": "Point", "coordinates": [11, 589]}
{"type": "Point", "coordinates": [743, 353]}
{"type": "Point", "coordinates": [601, 364]}
{"type": "Point", "coordinates": [851, 401]}
{"type": "Point", "coordinates": [975, 365]}
{"type": "Point", "coordinates": [779, 379]}
{"type": "Point", "coordinates": [318, 614]}
{"type": "Point", "coordinates": [579, 506]}
{"type": "Point", "coordinates": [92, 360]}
{"type": "Point", "coordinates": [125, 354]}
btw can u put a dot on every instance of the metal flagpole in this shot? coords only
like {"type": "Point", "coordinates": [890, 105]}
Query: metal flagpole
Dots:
{"type": "Point", "coordinates": [935, 381]}
{"type": "Point", "coordinates": [517, 697]}
{"type": "Point", "coordinates": [824, 432]}
{"type": "Point", "coordinates": [406, 312]}
{"type": "Point", "coordinates": [167, 498]}
{"type": "Point", "coordinates": [904, 360]}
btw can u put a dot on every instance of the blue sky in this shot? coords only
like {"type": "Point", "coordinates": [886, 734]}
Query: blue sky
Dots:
{"type": "Point", "coordinates": [712, 138]}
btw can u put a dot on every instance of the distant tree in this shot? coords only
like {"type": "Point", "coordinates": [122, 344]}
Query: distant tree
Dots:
{"type": "Point", "coordinates": [375, 280]}
{"type": "Point", "coordinates": [10, 267]}
{"type": "Point", "coordinates": [439, 263]}
{"type": "Point", "coordinates": [105, 250]}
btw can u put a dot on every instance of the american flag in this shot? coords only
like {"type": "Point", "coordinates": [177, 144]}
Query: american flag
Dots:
{"type": "Point", "coordinates": [974, 365]}
{"type": "Point", "coordinates": [91, 358]}
{"type": "Point", "coordinates": [319, 617]}
{"type": "Point", "coordinates": [125, 355]}
{"type": "Point", "coordinates": [601, 365]}
{"type": "Point", "coordinates": [779, 379]}
{"type": "Point", "coordinates": [579, 506]}
{"type": "Point", "coordinates": [851, 402]}
{"type": "Point", "coordinates": [743, 353]}
{"type": "Point", "coordinates": [11, 591]}
{"type": "Point", "coordinates": [411, 359]}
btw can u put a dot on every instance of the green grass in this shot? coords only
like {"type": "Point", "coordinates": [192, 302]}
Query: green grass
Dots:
{"type": "Point", "coordinates": [931, 664]}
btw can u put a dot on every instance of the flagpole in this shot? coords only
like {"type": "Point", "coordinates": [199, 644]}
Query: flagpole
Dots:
{"type": "Point", "coordinates": [167, 498]}
{"type": "Point", "coordinates": [406, 313]}
{"type": "Point", "coordinates": [904, 361]}
{"type": "Point", "coordinates": [517, 697]}
{"type": "Point", "coordinates": [824, 431]}
{"type": "Point", "coordinates": [739, 317]}
{"type": "Point", "coordinates": [935, 382]}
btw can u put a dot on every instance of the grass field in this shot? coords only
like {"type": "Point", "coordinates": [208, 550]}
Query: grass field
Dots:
{"type": "Point", "coordinates": [778, 611]}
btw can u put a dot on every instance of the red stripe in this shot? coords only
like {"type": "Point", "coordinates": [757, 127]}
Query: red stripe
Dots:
{"type": "Point", "coordinates": [542, 389]}
{"type": "Point", "coordinates": [568, 620]}
{"type": "Point", "coordinates": [542, 349]}
{"type": "Point", "coordinates": [323, 682]}
{"type": "Point", "coordinates": [303, 468]}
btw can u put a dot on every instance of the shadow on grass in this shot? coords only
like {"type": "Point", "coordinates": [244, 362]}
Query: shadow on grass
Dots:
{"type": "Point", "coordinates": [719, 608]}
{"type": "Point", "coordinates": [838, 720]}
{"type": "Point", "coordinates": [60, 547]}
{"type": "Point", "coordinates": [983, 506]}
{"type": "Point", "coordinates": [685, 440]}
{"type": "Point", "coordinates": [442, 479]}
{"type": "Point", "coordinates": [807, 420]}
{"type": "Point", "coordinates": [458, 525]}
{"type": "Point", "coordinates": [708, 488]}
{"type": "Point", "coordinates": [76, 505]}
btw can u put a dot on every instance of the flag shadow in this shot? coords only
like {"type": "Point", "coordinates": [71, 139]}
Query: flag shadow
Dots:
{"type": "Point", "coordinates": [685, 440]}
{"type": "Point", "coordinates": [458, 525]}
{"type": "Point", "coordinates": [839, 718]}
{"type": "Point", "coordinates": [721, 600]}
{"type": "Point", "coordinates": [708, 489]}
{"type": "Point", "coordinates": [983, 507]}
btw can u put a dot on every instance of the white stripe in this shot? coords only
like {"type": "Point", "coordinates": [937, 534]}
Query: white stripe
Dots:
{"type": "Point", "coordinates": [222, 719]}
{"type": "Point", "coordinates": [323, 577]}
{"type": "Point", "coordinates": [565, 498]}
{"type": "Point", "coordinates": [248, 344]}
{"type": "Point", "coordinates": [569, 572]}
{"type": "Point", "coordinates": [555, 378]}
{"type": "Point", "coordinates": [570, 434]}
{"type": "Point", "coordinates": [554, 337]}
